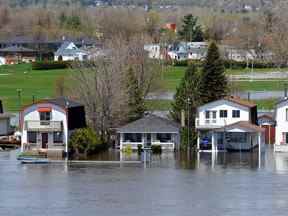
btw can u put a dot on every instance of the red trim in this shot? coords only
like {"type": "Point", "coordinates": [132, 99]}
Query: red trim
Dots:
{"type": "Point", "coordinates": [44, 109]}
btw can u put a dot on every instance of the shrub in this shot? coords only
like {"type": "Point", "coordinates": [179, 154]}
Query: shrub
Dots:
{"type": "Point", "coordinates": [156, 149]}
{"type": "Point", "coordinates": [50, 65]}
{"type": "Point", "coordinates": [85, 141]}
{"type": "Point", "coordinates": [139, 149]}
{"type": "Point", "coordinates": [127, 149]}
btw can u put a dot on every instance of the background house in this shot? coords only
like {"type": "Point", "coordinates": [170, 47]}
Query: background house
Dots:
{"type": "Point", "coordinates": [47, 125]}
{"type": "Point", "coordinates": [70, 52]}
{"type": "Point", "coordinates": [18, 54]}
{"type": "Point", "coordinates": [150, 130]}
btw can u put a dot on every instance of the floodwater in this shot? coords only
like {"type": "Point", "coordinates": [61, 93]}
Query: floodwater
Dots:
{"type": "Point", "coordinates": [171, 184]}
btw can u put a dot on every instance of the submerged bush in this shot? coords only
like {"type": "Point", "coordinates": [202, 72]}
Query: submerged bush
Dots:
{"type": "Point", "coordinates": [156, 149]}
{"type": "Point", "coordinates": [85, 141]}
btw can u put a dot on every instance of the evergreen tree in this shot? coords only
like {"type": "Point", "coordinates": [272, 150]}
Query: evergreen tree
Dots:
{"type": "Point", "coordinates": [187, 99]}
{"type": "Point", "coordinates": [136, 105]}
{"type": "Point", "coordinates": [214, 83]}
{"type": "Point", "coordinates": [191, 30]}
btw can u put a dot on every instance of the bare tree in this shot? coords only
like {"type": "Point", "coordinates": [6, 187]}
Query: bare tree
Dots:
{"type": "Point", "coordinates": [101, 83]}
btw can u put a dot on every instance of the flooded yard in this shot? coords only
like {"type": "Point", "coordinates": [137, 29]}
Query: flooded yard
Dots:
{"type": "Point", "coordinates": [171, 184]}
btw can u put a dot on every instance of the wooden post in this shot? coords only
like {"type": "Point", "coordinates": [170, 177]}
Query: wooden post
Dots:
{"type": "Point", "coordinates": [259, 150]}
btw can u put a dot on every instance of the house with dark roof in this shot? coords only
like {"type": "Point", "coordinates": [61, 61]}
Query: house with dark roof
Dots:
{"type": "Point", "coordinates": [18, 54]}
{"type": "Point", "coordinates": [228, 124]}
{"type": "Point", "coordinates": [150, 130]}
{"type": "Point", "coordinates": [47, 125]}
{"type": "Point", "coordinates": [68, 51]}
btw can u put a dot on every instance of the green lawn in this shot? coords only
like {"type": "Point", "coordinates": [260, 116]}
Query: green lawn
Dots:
{"type": "Point", "coordinates": [267, 85]}
{"type": "Point", "coordinates": [39, 83]}
{"type": "Point", "coordinates": [158, 105]}
{"type": "Point", "coordinates": [268, 104]}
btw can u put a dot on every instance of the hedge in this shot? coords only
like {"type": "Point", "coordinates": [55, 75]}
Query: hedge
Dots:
{"type": "Point", "coordinates": [51, 65]}
{"type": "Point", "coordinates": [229, 64]}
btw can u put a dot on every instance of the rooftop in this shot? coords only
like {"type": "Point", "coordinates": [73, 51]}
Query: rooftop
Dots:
{"type": "Point", "coordinates": [151, 124]}
{"type": "Point", "coordinates": [244, 125]}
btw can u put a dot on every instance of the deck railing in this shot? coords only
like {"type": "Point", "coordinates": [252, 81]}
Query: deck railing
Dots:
{"type": "Point", "coordinates": [44, 126]}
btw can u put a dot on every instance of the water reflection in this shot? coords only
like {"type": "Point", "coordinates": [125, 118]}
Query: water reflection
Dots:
{"type": "Point", "coordinates": [170, 184]}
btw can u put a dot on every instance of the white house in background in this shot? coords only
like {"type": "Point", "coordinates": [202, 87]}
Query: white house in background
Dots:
{"type": "Point", "coordinates": [68, 51]}
{"type": "Point", "coordinates": [188, 51]}
{"type": "Point", "coordinates": [238, 55]}
{"type": "Point", "coordinates": [281, 118]}
{"type": "Point", "coordinates": [150, 130]}
{"type": "Point", "coordinates": [47, 125]}
{"type": "Point", "coordinates": [154, 51]}
{"type": "Point", "coordinates": [2, 60]}
{"type": "Point", "coordinates": [228, 124]}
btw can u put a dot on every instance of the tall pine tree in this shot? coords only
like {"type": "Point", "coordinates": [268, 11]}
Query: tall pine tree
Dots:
{"type": "Point", "coordinates": [191, 31]}
{"type": "Point", "coordinates": [187, 99]}
{"type": "Point", "coordinates": [214, 83]}
{"type": "Point", "coordinates": [136, 103]}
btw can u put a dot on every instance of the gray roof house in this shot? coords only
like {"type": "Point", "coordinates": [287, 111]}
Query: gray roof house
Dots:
{"type": "Point", "coordinates": [68, 51]}
{"type": "Point", "coordinates": [150, 130]}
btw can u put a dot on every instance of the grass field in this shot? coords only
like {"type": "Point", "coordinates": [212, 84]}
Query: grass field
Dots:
{"type": "Point", "coordinates": [40, 83]}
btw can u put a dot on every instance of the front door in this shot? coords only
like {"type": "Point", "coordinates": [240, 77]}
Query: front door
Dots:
{"type": "Point", "coordinates": [44, 140]}
{"type": "Point", "coordinates": [148, 140]}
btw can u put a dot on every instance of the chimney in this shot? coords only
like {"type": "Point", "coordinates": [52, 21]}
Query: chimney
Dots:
{"type": "Point", "coordinates": [182, 118]}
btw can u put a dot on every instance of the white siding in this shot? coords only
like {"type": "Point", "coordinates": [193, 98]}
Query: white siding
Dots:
{"type": "Point", "coordinates": [223, 105]}
{"type": "Point", "coordinates": [58, 114]}
{"type": "Point", "coordinates": [282, 123]}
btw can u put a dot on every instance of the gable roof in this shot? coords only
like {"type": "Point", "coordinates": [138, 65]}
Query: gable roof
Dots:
{"type": "Point", "coordinates": [236, 100]}
{"type": "Point", "coordinates": [245, 125]}
{"type": "Point", "coordinates": [150, 124]}
{"type": "Point", "coordinates": [65, 50]}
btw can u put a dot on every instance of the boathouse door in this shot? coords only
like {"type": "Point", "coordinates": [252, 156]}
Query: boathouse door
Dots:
{"type": "Point", "coordinates": [44, 140]}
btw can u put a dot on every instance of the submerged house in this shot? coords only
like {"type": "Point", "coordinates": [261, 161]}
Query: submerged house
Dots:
{"type": "Point", "coordinates": [150, 130]}
{"type": "Point", "coordinates": [47, 125]}
{"type": "Point", "coordinates": [228, 124]}
{"type": "Point", "coordinates": [281, 117]}
{"type": "Point", "coordinates": [5, 127]}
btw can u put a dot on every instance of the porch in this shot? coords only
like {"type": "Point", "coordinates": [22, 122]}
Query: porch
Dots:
{"type": "Point", "coordinates": [146, 140]}
{"type": "Point", "coordinates": [237, 137]}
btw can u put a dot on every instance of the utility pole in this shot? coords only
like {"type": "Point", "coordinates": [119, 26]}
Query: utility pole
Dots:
{"type": "Point", "coordinates": [19, 92]}
{"type": "Point", "coordinates": [188, 123]}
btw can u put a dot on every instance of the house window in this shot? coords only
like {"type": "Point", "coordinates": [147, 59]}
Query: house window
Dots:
{"type": "Point", "coordinates": [32, 137]}
{"type": "Point", "coordinates": [163, 137]}
{"type": "Point", "coordinates": [236, 113]}
{"type": "Point", "coordinates": [58, 137]}
{"type": "Point", "coordinates": [133, 137]}
{"type": "Point", "coordinates": [223, 113]}
{"type": "Point", "coordinates": [237, 137]}
{"type": "Point", "coordinates": [45, 116]}
{"type": "Point", "coordinates": [207, 114]}
{"type": "Point", "coordinates": [214, 114]}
